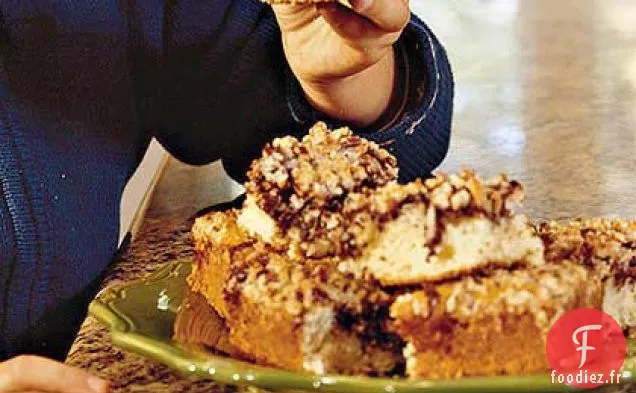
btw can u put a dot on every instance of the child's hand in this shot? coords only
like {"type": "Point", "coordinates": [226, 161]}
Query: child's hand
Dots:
{"type": "Point", "coordinates": [344, 58]}
{"type": "Point", "coordinates": [31, 374]}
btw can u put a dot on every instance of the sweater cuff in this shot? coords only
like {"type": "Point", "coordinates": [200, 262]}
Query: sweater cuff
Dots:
{"type": "Point", "coordinates": [303, 113]}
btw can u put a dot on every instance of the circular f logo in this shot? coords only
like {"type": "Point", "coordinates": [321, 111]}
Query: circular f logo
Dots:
{"type": "Point", "coordinates": [586, 348]}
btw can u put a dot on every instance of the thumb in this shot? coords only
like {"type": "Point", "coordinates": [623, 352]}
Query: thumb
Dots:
{"type": "Point", "coordinates": [293, 17]}
{"type": "Point", "coordinates": [390, 15]}
{"type": "Point", "coordinates": [31, 373]}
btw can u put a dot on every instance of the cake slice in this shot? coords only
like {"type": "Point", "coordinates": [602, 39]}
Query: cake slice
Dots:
{"type": "Point", "coordinates": [297, 183]}
{"type": "Point", "coordinates": [607, 247]}
{"type": "Point", "coordinates": [303, 317]}
{"type": "Point", "coordinates": [620, 297]}
{"type": "Point", "coordinates": [309, 317]}
{"type": "Point", "coordinates": [333, 194]}
{"type": "Point", "coordinates": [488, 326]}
{"type": "Point", "coordinates": [199, 324]}
{"type": "Point", "coordinates": [216, 238]}
{"type": "Point", "coordinates": [444, 228]}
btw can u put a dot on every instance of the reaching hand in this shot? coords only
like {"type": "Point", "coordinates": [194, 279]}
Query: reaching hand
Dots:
{"type": "Point", "coordinates": [31, 374]}
{"type": "Point", "coordinates": [344, 57]}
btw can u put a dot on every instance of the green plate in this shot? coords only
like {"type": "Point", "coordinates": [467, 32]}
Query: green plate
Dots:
{"type": "Point", "coordinates": [140, 316]}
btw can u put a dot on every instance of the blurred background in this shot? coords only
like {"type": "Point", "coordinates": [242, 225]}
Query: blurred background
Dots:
{"type": "Point", "coordinates": [545, 91]}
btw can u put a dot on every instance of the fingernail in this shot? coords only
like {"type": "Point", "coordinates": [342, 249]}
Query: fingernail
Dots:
{"type": "Point", "coordinates": [361, 5]}
{"type": "Point", "coordinates": [97, 385]}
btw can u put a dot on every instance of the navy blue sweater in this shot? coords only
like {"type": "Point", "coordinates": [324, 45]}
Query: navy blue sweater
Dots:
{"type": "Point", "coordinates": [85, 85]}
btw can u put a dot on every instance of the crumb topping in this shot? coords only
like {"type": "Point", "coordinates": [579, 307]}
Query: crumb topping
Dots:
{"type": "Point", "coordinates": [546, 292]}
{"type": "Point", "coordinates": [523, 290]}
{"type": "Point", "coordinates": [317, 171]}
{"type": "Point", "coordinates": [608, 246]}
{"type": "Point", "coordinates": [330, 193]}
{"type": "Point", "coordinates": [349, 227]}
{"type": "Point", "coordinates": [218, 228]}
{"type": "Point", "coordinates": [263, 274]}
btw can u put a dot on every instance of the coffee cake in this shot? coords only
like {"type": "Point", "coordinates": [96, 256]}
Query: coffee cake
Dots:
{"type": "Point", "coordinates": [332, 266]}
{"type": "Point", "coordinates": [491, 325]}
{"type": "Point", "coordinates": [606, 246]}
{"type": "Point", "coordinates": [333, 194]}
{"type": "Point", "coordinates": [439, 229]}
{"type": "Point", "coordinates": [302, 317]}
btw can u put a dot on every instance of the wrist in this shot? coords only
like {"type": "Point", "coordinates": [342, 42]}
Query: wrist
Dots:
{"type": "Point", "coordinates": [401, 93]}
{"type": "Point", "coordinates": [361, 98]}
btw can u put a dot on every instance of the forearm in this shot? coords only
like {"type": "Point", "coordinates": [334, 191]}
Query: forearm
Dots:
{"type": "Point", "coordinates": [359, 99]}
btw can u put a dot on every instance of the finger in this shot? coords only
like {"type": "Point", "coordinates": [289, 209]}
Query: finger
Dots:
{"type": "Point", "coordinates": [390, 15]}
{"type": "Point", "coordinates": [31, 373]}
{"type": "Point", "coordinates": [349, 25]}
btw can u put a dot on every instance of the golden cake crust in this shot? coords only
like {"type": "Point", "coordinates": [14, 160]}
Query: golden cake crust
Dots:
{"type": "Point", "coordinates": [494, 325]}
{"type": "Point", "coordinates": [199, 324]}
{"type": "Point", "coordinates": [270, 303]}
{"type": "Point", "coordinates": [607, 246]}
{"type": "Point", "coordinates": [216, 237]}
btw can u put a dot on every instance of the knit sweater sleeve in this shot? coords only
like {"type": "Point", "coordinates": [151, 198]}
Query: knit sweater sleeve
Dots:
{"type": "Point", "coordinates": [230, 91]}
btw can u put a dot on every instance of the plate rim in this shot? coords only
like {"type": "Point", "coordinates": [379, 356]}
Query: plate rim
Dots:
{"type": "Point", "coordinates": [194, 363]}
